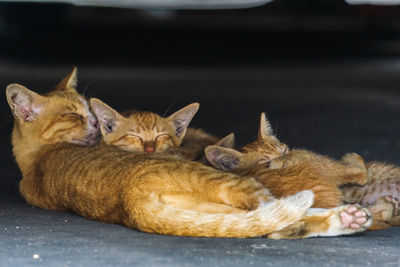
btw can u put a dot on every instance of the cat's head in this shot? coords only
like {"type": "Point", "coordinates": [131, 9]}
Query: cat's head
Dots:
{"type": "Point", "coordinates": [224, 156]}
{"type": "Point", "coordinates": [266, 148]}
{"type": "Point", "coordinates": [142, 131]}
{"type": "Point", "coordinates": [61, 115]}
{"type": "Point", "coordinates": [266, 145]}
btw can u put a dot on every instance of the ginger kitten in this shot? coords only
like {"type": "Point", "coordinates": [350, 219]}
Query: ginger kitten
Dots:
{"type": "Point", "coordinates": [327, 178]}
{"type": "Point", "coordinates": [136, 131]}
{"type": "Point", "coordinates": [380, 194]}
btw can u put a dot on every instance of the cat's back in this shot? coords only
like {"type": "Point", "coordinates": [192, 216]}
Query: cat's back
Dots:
{"type": "Point", "coordinates": [198, 135]}
{"type": "Point", "coordinates": [99, 157]}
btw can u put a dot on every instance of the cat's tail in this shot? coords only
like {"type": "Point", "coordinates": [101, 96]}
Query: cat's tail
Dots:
{"type": "Point", "coordinates": [155, 216]}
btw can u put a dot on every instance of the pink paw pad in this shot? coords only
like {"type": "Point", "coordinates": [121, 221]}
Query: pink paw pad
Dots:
{"type": "Point", "coordinates": [353, 217]}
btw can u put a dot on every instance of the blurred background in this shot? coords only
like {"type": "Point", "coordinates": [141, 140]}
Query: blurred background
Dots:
{"type": "Point", "coordinates": [281, 31]}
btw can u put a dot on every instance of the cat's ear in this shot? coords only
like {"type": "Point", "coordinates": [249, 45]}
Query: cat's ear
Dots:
{"type": "Point", "coordinates": [69, 82]}
{"type": "Point", "coordinates": [108, 118]}
{"type": "Point", "coordinates": [181, 119]}
{"type": "Point", "coordinates": [223, 158]}
{"type": "Point", "coordinates": [265, 129]}
{"type": "Point", "coordinates": [24, 103]}
{"type": "Point", "coordinates": [227, 141]}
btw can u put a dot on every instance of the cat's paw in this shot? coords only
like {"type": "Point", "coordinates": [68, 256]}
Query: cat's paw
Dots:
{"type": "Point", "coordinates": [396, 204]}
{"type": "Point", "coordinates": [384, 208]}
{"type": "Point", "coordinates": [355, 217]}
{"type": "Point", "coordinates": [279, 164]}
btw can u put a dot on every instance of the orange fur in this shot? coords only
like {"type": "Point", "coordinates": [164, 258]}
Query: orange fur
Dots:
{"type": "Point", "coordinates": [62, 169]}
{"type": "Point", "coordinates": [195, 140]}
{"type": "Point", "coordinates": [384, 181]}
{"type": "Point", "coordinates": [143, 131]}
{"type": "Point", "coordinates": [333, 183]}
{"type": "Point", "coordinates": [135, 130]}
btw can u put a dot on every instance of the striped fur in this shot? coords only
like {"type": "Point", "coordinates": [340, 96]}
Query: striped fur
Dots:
{"type": "Point", "coordinates": [152, 192]}
{"type": "Point", "coordinates": [364, 184]}
{"type": "Point", "coordinates": [145, 131]}
{"type": "Point", "coordinates": [326, 222]}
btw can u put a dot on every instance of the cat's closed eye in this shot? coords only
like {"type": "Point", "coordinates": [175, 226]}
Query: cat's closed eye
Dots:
{"type": "Point", "coordinates": [73, 114]}
{"type": "Point", "coordinates": [161, 136]}
{"type": "Point", "coordinates": [265, 162]}
{"type": "Point", "coordinates": [136, 137]}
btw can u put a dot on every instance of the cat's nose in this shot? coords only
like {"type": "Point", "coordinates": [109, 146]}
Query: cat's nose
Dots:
{"type": "Point", "coordinates": [149, 148]}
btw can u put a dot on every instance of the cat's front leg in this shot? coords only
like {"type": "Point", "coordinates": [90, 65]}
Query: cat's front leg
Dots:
{"type": "Point", "coordinates": [278, 163]}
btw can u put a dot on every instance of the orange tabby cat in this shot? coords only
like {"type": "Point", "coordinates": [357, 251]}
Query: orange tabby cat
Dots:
{"type": "Point", "coordinates": [152, 192]}
{"type": "Point", "coordinates": [149, 132]}
{"type": "Point", "coordinates": [380, 194]}
{"type": "Point", "coordinates": [326, 178]}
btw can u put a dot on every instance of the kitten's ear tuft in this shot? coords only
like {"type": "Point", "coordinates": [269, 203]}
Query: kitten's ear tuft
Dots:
{"type": "Point", "coordinates": [182, 118]}
{"type": "Point", "coordinates": [24, 103]}
{"type": "Point", "coordinates": [265, 129]}
{"type": "Point", "coordinates": [227, 141]}
{"type": "Point", "coordinates": [223, 158]}
{"type": "Point", "coordinates": [108, 118]}
{"type": "Point", "coordinates": [69, 82]}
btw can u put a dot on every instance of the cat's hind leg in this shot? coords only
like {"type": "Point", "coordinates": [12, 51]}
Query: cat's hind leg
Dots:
{"type": "Point", "coordinates": [385, 208]}
{"type": "Point", "coordinates": [342, 220]}
{"type": "Point", "coordinates": [195, 202]}
{"type": "Point", "coordinates": [235, 191]}
{"type": "Point", "coordinates": [355, 171]}
{"type": "Point", "coordinates": [385, 213]}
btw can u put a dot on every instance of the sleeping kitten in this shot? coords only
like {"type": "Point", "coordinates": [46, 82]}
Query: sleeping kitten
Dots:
{"type": "Point", "coordinates": [148, 132]}
{"type": "Point", "coordinates": [324, 176]}
{"type": "Point", "coordinates": [380, 194]}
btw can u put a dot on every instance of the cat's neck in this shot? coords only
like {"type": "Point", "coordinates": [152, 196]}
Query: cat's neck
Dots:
{"type": "Point", "coordinates": [25, 149]}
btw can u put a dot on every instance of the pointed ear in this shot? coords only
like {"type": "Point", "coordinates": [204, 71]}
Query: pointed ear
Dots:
{"type": "Point", "coordinates": [227, 141]}
{"type": "Point", "coordinates": [265, 129]}
{"type": "Point", "coordinates": [223, 158]}
{"type": "Point", "coordinates": [69, 82]}
{"type": "Point", "coordinates": [181, 119]}
{"type": "Point", "coordinates": [108, 118]}
{"type": "Point", "coordinates": [24, 103]}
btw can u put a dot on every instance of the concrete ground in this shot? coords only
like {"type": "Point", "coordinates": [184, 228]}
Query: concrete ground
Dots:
{"type": "Point", "coordinates": [329, 107]}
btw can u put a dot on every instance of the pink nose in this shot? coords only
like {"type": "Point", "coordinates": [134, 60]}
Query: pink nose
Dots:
{"type": "Point", "coordinates": [149, 149]}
